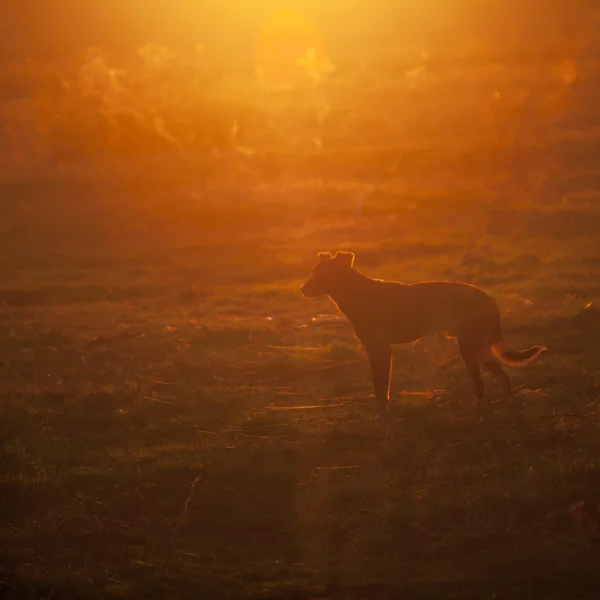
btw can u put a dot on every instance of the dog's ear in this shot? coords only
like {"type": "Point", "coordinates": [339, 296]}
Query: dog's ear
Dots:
{"type": "Point", "coordinates": [345, 258]}
{"type": "Point", "coordinates": [324, 256]}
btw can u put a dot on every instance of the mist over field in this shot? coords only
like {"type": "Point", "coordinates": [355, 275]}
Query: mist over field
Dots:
{"type": "Point", "coordinates": [176, 420]}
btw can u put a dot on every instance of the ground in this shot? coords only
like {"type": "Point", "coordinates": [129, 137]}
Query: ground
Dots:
{"type": "Point", "coordinates": [177, 421]}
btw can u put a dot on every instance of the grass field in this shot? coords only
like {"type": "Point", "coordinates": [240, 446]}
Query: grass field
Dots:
{"type": "Point", "coordinates": [176, 421]}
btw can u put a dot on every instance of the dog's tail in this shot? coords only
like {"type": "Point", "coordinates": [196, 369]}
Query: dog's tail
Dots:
{"type": "Point", "coordinates": [515, 358]}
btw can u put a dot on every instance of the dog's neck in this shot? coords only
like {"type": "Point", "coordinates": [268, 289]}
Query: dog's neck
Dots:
{"type": "Point", "coordinates": [347, 293]}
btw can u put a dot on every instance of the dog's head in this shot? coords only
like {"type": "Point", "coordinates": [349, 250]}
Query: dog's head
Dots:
{"type": "Point", "coordinates": [328, 273]}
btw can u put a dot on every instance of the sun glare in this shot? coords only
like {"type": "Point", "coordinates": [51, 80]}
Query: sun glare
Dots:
{"type": "Point", "coordinates": [290, 44]}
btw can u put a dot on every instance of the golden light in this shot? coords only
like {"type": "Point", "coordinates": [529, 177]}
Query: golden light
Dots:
{"type": "Point", "coordinates": [291, 45]}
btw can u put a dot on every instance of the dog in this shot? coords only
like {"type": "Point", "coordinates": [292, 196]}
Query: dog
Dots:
{"type": "Point", "coordinates": [383, 313]}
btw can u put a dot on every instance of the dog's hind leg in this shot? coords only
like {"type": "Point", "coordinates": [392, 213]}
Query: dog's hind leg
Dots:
{"type": "Point", "coordinates": [501, 376]}
{"type": "Point", "coordinates": [469, 347]}
{"type": "Point", "coordinates": [478, 384]}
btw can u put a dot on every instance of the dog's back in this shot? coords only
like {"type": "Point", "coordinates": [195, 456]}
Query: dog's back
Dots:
{"type": "Point", "coordinates": [396, 312]}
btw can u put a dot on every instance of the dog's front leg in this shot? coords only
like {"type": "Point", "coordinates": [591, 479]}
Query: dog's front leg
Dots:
{"type": "Point", "coordinates": [380, 358]}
